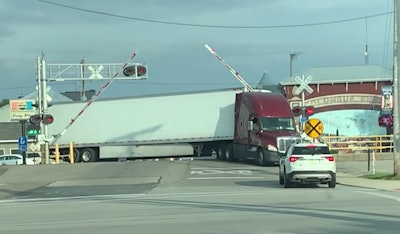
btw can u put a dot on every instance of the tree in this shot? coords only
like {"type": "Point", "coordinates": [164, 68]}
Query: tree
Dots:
{"type": "Point", "coordinates": [4, 102]}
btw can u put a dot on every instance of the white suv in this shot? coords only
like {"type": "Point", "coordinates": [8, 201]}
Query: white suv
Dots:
{"type": "Point", "coordinates": [307, 163]}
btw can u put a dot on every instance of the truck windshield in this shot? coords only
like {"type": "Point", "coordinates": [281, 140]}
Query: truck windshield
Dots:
{"type": "Point", "coordinates": [275, 123]}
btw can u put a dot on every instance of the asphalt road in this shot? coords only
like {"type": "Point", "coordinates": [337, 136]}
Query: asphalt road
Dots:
{"type": "Point", "coordinates": [199, 196]}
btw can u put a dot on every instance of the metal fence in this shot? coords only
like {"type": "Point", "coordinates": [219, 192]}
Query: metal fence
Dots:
{"type": "Point", "coordinates": [359, 144]}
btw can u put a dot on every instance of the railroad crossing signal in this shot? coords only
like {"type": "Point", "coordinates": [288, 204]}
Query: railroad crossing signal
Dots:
{"type": "Point", "coordinates": [96, 71]}
{"type": "Point", "coordinates": [297, 110]}
{"type": "Point", "coordinates": [308, 111]}
{"type": "Point", "coordinates": [135, 70]}
{"type": "Point", "coordinates": [314, 128]}
{"type": "Point", "coordinates": [303, 82]}
{"type": "Point", "coordinates": [304, 111]}
{"type": "Point", "coordinates": [37, 119]}
{"type": "Point", "coordinates": [68, 72]}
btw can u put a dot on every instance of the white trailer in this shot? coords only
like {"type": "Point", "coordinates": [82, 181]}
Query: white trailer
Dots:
{"type": "Point", "coordinates": [180, 124]}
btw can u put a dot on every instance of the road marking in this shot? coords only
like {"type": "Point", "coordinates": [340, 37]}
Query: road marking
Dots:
{"type": "Point", "coordinates": [101, 198]}
{"type": "Point", "coordinates": [224, 168]}
{"type": "Point", "coordinates": [381, 195]}
{"type": "Point", "coordinates": [225, 178]}
{"type": "Point", "coordinates": [219, 171]}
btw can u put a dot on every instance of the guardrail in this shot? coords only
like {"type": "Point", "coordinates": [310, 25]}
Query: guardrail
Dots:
{"type": "Point", "coordinates": [359, 144]}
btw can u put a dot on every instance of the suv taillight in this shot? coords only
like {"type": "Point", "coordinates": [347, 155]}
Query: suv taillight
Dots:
{"type": "Point", "coordinates": [294, 158]}
{"type": "Point", "coordinates": [330, 158]}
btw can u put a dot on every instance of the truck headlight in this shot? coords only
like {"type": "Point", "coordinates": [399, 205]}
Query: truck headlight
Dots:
{"type": "Point", "coordinates": [272, 148]}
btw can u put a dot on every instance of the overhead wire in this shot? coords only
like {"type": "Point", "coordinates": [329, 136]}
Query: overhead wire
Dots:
{"type": "Point", "coordinates": [387, 13]}
{"type": "Point", "coordinates": [210, 25]}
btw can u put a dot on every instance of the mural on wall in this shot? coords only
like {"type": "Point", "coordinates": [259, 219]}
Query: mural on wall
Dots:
{"type": "Point", "coordinates": [351, 122]}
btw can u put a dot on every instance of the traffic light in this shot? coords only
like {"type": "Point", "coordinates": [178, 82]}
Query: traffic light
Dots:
{"type": "Point", "coordinates": [296, 111]}
{"type": "Point", "coordinates": [308, 111]}
{"type": "Point", "coordinates": [48, 119]}
{"type": "Point", "coordinates": [138, 70]}
{"type": "Point", "coordinates": [33, 131]}
{"type": "Point", "coordinates": [37, 119]}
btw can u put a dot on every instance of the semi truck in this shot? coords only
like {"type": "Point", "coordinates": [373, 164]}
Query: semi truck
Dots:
{"type": "Point", "coordinates": [233, 123]}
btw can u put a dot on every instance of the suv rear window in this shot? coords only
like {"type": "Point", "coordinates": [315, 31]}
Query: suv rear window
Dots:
{"type": "Point", "coordinates": [311, 150]}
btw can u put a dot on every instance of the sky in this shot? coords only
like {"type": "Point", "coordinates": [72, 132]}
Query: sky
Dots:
{"type": "Point", "coordinates": [253, 37]}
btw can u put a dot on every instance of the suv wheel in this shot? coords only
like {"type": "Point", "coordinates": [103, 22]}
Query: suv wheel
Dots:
{"type": "Point", "coordinates": [332, 183]}
{"type": "Point", "coordinates": [286, 181]}
{"type": "Point", "coordinates": [281, 180]}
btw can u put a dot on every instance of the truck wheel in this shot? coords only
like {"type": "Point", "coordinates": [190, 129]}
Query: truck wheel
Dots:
{"type": "Point", "coordinates": [229, 153]}
{"type": "Point", "coordinates": [332, 184]}
{"type": "Point", "coordinates": [77, 155]}
{"type": "Point", "coordinates": [221, 152]}
{"type": "Point", "coordinates": [260, 158]}
{"type": "Point", "coordinates": [88, 155]}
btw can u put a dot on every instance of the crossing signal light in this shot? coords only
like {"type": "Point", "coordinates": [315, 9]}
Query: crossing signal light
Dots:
{"type": "Point", "coordinates": [35, 119]}
{"type": "Point", "coordinates": [296, 111]}
{"type": "Point", "coordinates": [308, 110]}
{"type": "Point", "coordinates": [141, 70]}
{"type": "Point", "coordinates": [138, 70]}
{"type": "Point", "coordinates": [48, 119]}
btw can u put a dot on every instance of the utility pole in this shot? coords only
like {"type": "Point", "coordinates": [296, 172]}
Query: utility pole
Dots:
{"type": "Point", "coordinates": [292, 56]}
{"type": "Point", "coordinates": [396, 112]}
{"type": "Point", "coordinates": [366, 54]}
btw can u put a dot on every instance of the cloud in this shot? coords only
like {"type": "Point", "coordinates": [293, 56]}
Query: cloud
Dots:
{"type": "Point", "coordinates": [176, 53]}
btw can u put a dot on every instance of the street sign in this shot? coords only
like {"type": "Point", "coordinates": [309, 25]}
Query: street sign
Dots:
{"type": "Point", "coordinates": [314, 128]}
{"type": "Point", "coordinates": [21, 109]}
{"type": "Point", "coordinates": [303, 82]}
{"type": "Point", "coordinates": [22, 144]}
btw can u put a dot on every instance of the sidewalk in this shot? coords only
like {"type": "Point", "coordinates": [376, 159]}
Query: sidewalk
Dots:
{"type": "Point", "coordinates": [350, 173]}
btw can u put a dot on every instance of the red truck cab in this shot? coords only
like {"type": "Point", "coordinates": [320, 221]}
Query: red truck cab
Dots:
{"type": "Point", "coordinates": [264, 127]}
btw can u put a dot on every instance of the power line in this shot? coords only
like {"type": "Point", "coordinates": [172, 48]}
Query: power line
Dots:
{"type": "Point", "coordinates": [215, 26]}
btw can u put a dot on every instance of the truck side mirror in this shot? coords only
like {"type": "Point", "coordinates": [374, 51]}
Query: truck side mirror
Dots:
{"type": "Point", "coordinates": [250, 125]}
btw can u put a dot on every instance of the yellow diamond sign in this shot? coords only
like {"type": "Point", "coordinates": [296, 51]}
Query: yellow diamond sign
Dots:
{"type": "Point", "coordinates": [314, 128]}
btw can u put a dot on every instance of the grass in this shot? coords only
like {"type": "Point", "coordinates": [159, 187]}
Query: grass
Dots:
{"type": "Point", "coordinates": [382, 176]}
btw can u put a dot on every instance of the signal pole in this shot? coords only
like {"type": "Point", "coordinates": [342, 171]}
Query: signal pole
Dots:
{"type": "Point", "coordinates": [42, 104]}
{"type": "Point", "coordinates": [396, 87]}
{"type": "Point", "coordinates": [44, 110]}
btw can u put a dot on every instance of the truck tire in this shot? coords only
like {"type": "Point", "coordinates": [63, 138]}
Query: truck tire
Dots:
{"type": "Point", "coordinates": [260, 158]}
{"type": "Point", "coordinates": [221, 152]}
{"type": "Point", "coordinates": [229, 153]}
{"type": "Point", "coordinates": [88, 155]}
{"type": "Point", "coordinates": [77, 155]}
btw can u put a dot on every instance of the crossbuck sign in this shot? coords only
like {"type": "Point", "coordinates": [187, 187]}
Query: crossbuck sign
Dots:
{"type": "Point", "coordinates": [303, 84]}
